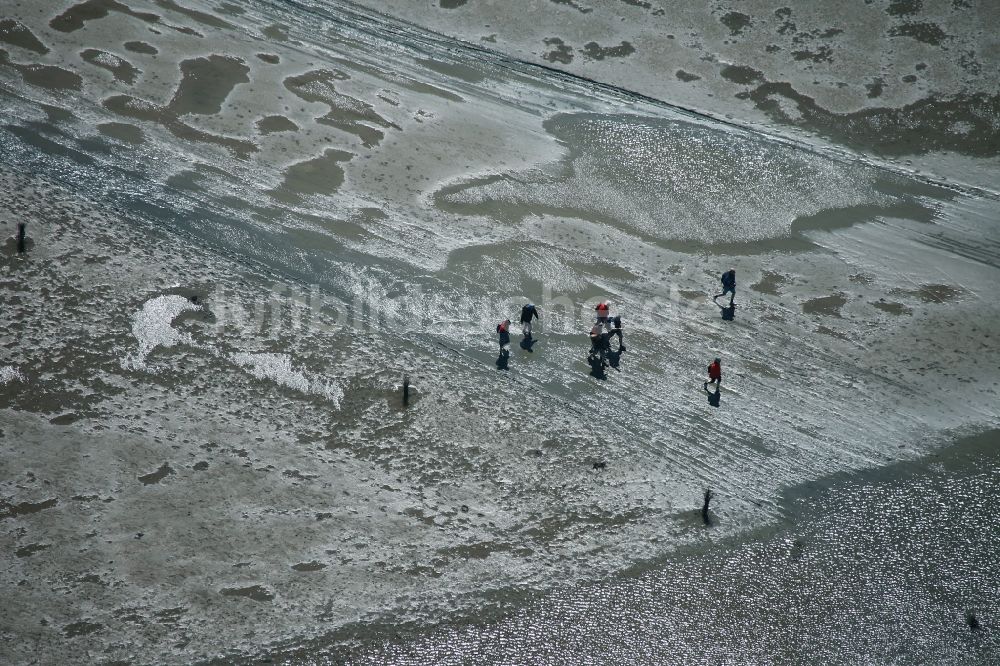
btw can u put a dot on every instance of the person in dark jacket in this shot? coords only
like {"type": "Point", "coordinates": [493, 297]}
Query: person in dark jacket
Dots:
{"type": "Point", "coordinates": [599, 345]}
{"type": "Point", "coordinates": [728, 285]}
{"type": "Point", "coordinates": [617, 330]}
{"type": "Point", "coordinates": [714, 373]}
{"type": "Point", "coordinates": [528, 312]}
{"type": "Point", "coordinates": [503, 331]}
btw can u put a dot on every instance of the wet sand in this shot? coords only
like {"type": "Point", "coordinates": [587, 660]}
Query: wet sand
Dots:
{"type": "Point", "coordinates": [891, 564]}
{"type": "Point", "coordinates": [247, 224]}
{"type": "Point", "coordinates": [878, 78]}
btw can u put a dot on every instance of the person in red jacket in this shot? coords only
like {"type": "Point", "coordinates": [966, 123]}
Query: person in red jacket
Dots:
{"type": "Point", "coordinates": [503, 332]}
{"type": "Point", "coordinates": [603, 312]}
{"type": "Point", "coordinates": [715, 372]}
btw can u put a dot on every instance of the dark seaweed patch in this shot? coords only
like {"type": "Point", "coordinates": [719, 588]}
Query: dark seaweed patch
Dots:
{"type": "Point", "coordinates": [18, 34]}
{"type": "Point", "coordinates": [928, 33]}
{"type": "Point", "coordinates": [8, 510]}
{"type": "Point", "coordinates": [157, 476]}
{"type": "Point", "coordinates": [964, 123]}
{"type": "Point", "coordinates": [736, 22]}
{"type": "Point", "coordinates": [76, 16]}
{"type": "Point", "coordinates": [741, 74]}
{"type": "Point", "coordinates": [560, 51]}
{"type": "Point", "coordinates": [255, 592]}
{"type": "Point", "coordinates": [595, 51]}
{"type": "Point", "coordinates": [141, 47]}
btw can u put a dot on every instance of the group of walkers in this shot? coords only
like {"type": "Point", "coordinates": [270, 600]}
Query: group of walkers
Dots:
{"type": "Point", "coordinates": [605, 327]}
{"type": "Point", "coordinates": [528, 313]}
{"type": "Point", "coordinates": [601, 332]}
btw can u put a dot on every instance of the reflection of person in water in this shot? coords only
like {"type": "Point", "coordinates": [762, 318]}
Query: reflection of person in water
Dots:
{"type": "Point", "coordinates": [728, 314]}
{"type": "Point", "coordinates": [713, 398]}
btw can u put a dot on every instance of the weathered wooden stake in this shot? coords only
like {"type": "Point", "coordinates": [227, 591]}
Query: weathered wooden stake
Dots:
{"type": "Point", "coordinates": [704, 507]}
{"type": "Point", "coordinates": [20, 238]}
{"type": "Point", "coordinates": [406, 390]}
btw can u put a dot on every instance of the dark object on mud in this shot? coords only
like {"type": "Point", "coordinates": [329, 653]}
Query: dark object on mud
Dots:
{"type": "Point", "coordinates": [21, 249]}
{"type": "Point", "coordinates": [972, 620]}
{"type": "Point", "coordinates": [194, 299]}
{"type": "Point", "coordinates": [600, 465]}
{"type": "Point", "coordinates": [406, 390]}
{"type": "Point", "coordinates": [465, 508]}
{"type": "Point", "coordinates": [704, 508]}
{"type": "Point", "coordinates": [728, 314]}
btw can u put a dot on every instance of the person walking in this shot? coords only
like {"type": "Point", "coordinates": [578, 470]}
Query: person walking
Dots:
{"type": "Point", "coordinates": [603, 310]}
{"type": "Point", "coordinates": [528, 312]}
{"type": "Point", "coordinates": [714, 373]}
{"type": "Point", "coordinates": [503, 331]}
{"type": "Point", "coordinates": [728, 285]}
{"type": "Point", "coordinates": [599, 343]}
{"type": "Point", "coordinates": [617, 330]}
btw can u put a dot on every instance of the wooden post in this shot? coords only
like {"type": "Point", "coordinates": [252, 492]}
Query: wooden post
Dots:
{"type": "Point", "coordinates": [406, 390]}
{"type": "Point", "coordinates": [20, 237]}
{"type": "Point", "coordinates": [704, 507]}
